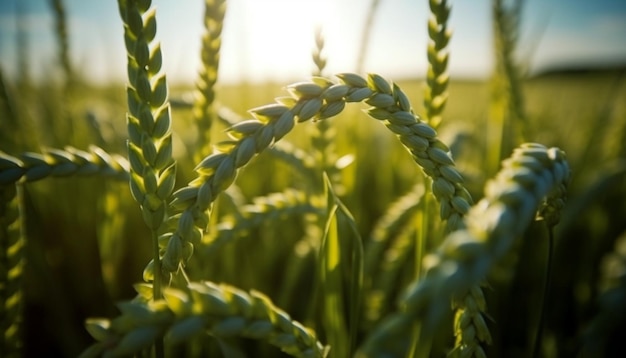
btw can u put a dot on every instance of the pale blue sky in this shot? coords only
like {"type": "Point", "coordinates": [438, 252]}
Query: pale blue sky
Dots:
{"type": "Point", "coordinates": [273, 39]}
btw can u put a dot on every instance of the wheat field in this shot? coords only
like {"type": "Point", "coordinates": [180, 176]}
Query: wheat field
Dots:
{"type": "Point", "coordinates": [340, 215]}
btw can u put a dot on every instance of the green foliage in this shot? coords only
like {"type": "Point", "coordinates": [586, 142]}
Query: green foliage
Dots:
{"type": "Point", "coordinates": [306, 235]}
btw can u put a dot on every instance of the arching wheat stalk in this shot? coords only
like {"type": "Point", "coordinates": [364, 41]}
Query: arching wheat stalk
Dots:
{"type": "Point", "coordinates": [532, 180]}
{"type": "Point", "coordinates": [204, 111]}
{"type": "Point", "coordinates": [319, 99]}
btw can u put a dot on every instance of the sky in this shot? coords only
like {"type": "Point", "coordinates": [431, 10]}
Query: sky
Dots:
{"type": "Point", "coordinates": [272, 40]}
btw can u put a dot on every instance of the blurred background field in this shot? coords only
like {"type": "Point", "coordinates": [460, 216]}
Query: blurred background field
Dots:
{"type": "Point", "coordinates": [87, 244]}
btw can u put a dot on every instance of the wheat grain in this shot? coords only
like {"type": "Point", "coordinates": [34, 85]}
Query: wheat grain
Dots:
{"type": "Point", "coordinates": [289, 203]}
{"type": "Point", "coordinates": [222, 310]}
{"type": "Point", "coordinates": [217, 171]}
{"type": "Point", "coordinates": [204, 111]}
{"type": "Point", "coordinates": [62, 39]}
{"type": "Point", "coordinates": [153, 170]}
{"type": "Point", "coordinates": [436, 95]}
{"type": "Point", "coordinates": [463, 261]}
{"type": "Point", "coordinates": [12, 260]}
{"type": "Point", "coordinates": [61, 163]}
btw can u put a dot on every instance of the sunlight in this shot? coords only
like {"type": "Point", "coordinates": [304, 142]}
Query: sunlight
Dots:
{"type": "Point", "coordinates": [275, 38]}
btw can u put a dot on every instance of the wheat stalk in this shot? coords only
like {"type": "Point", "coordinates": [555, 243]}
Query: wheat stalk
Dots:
{"type": "Point", "coordinates": [533, 179]}
{"type": "Point", "coordinates": [62, 39]}
{"type": "Point", "coordinates": [320, 99]}
{"type": "Point", "coordinates": [152, 168]}
{"type": "Point", "coordinates": [611, 310]}
{"type": "Point", "coordinates": [31, 166]}
{"type": "Point", "coordinates": [11, 265]}
{"type": "Point", "coordinates": [203, 111]}
{"type": "Point", "coordinates": [366, 34]}
{"type": "Point", "coordinates": [222, 310]}
{"type": "Point", "coordinates": [390, 269]}
{"type": "Point", "coordinates": [392, 221]}
{"type": "Point", "coordinates": [391, 245]}
{"type": "Point", "coordinates": [436, 95]}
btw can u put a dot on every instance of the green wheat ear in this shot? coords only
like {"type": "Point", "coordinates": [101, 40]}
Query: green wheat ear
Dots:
{"type": "Point", "coordinates": [62, 39]}
{"type": "Point", "coordinates": [11, 266]}
{"type": "Point", "coordinates": [152, 168]}
{"type": "Point", "coordinates": [204, 111]}
{"type": "Point", "coordinates": [30, 166]}
{"type": "Point", "coordinates": [533, 178]}
{"type": "Point", "coordinates": [436, 95]}
{"type": "Point", "coordinates": [319, 100]}
{"type": "Point", "coordinates": [289, 203]}
{"type": "Point", "coordinates": [221, 310]}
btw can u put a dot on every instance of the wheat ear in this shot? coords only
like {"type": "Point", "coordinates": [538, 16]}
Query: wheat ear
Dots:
{"type": "Point", "coordinates": [204, 111]}
{"type": "Point", "coordinates": [299, 160]}
{"type": "Point", "coordinates": [222, 310]}
{"type": "Point", "coordinates": [323, 137]}
{"type": "Point", "coordinates": [266, 208]}
{"type": "Point", "coordinates": [508, 123]}
{"type": "Point", "coordinates": [11, 265]}
{"type": "Point", "coordinates": [436, 94]}
{"type": "Point", "coordinates": [152, 168]}
{"type": "Point", "coordinates": [320, 99]}
{"type": "Point", "coordinates": [62, 39]}
{"type": "Point", "coordinates": [61, 163]}
{"type": "Point", "coordinates": [533, 179]}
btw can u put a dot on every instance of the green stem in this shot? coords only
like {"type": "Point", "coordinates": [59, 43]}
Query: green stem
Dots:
{"type": "Point", "coordinates": [157, 292]}
{"type": "Point", "coordinates": [546, 289]}
{"type": "Point", "coordinates": [156, 286]}
{"type": "Point", "coordinates": [420, 347]}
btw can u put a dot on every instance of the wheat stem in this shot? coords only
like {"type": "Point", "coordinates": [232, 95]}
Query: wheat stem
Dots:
{"type": "Point", "coordinates": [367, 34]}
{"type": "Point", "coordinates": [545, 294]}
{"type": "Point", "coordinates": [608, 321]}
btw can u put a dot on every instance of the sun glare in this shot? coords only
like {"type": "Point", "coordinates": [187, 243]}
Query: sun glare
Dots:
{"type": "Point", "coordinates": [275, 38]}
